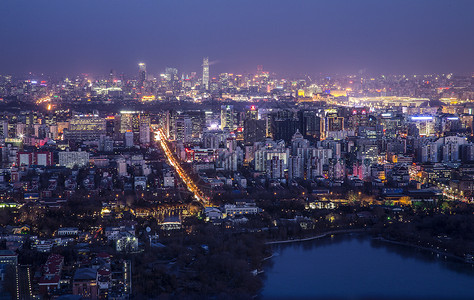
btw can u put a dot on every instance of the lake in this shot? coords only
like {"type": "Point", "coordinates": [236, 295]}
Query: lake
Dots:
{"type": "Point", "coordinates": [359, 267]}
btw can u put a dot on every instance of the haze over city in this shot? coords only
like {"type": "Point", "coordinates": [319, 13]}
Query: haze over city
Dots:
{"type": "Point", "coordinates": [284, 149]}
{"type": "Point", "coordinates": [287, 37]}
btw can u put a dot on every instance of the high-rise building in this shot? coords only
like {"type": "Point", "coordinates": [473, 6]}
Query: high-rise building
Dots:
{"type": "Point", "coordinates": [254, 131]}
{"type": "Point", "coordinates": [128, 136]}
{"type": "Point", "coordinates": [171, 74]}
{"type": "Point", "coordinates": [205, 73]}
{"type": "Point", "coordinates": [198, 120]}
{"type": "Point", "coordinates": [106, 143]}
{"type": "Point", "coordinates": [144, 130]}
{"type": "Point", "coordinates": [335, 123]}
{"type": "Point", "coordinates": [310, 124]}
{"type": "Point", "coordinates": [85, 128]}
{"type": "Point", "coordinates": [141, 73]}
{"type": "Point", "coordinates": [129, 121]}
{"type": "Point", "coordinates": [183, 129]}
{"type": "Point", "coordinates": [251, 113]}
{"type": "Point", "coordinates": [227, 117]}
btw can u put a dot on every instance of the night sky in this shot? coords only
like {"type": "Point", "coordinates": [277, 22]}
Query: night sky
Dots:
{"type": "Point", "coordinates": [288, 37]}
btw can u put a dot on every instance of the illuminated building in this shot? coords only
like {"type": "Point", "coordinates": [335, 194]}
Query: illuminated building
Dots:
{"type": "Point", "coordinates": [205, 73]}
{"type": "Point", "coordinates": [128, 137]}
{"type": "Point", "coordinates": [85, 128]}
{"type": "Point", "coordinates": [358, 117]}
{"type": "Point", "coordinates": [148, 98]}
{"type": "Point", "coordinates": [227, 117]}
{"type": "Point", "coordinates": [254, 129]}
{"type": "Point", "coordinates": [69, 159]}
{"type": "Point", "coordinates": [171, 74]}
{"type": "Point", "coordinates": [335, 123]}
{"type": "Point", "coordinates": [425, 124]}
{"type": "Point", "coordinates": [34, 158]}
{"type": "Point", "coordinates": [232, 210]}
{"type": "Point", "coordinates": [268, 151]}
{"type": "Point", "coordinates": [84, 283]}
{"type": "Point", "coordinates": [295, 167]}
{"type": "Point", "coordinates": [212, 139]}
{"type": "Point", "coordinates": [198, 120]}
{"type": "Point", "coordinates": [144, 130]}
{"type": "Point", "coordinates": [183, 129]}
{"type": "Point", "coordinates": [141, 74]}
{"type": "Point", "coordinates": [136, 122]}
{"type": "Point", "coordinates": [106, 144]}
{"type": "Point", "coordinates": [252, 113]}
{"type": "Point", "coordinates": [275, 168]}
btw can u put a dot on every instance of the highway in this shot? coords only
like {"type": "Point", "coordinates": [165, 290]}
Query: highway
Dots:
{"type": "Point", "coordinates": [192, 187]}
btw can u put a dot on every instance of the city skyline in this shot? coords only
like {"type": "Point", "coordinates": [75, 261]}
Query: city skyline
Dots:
{"type": "Point", "coordinates": [236, 149]}
{"type": "Point", "coordinates": [287, 38]}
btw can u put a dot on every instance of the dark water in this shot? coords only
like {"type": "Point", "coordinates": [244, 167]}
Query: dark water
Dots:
{"type": "Point", "coordinates": [358, 267]}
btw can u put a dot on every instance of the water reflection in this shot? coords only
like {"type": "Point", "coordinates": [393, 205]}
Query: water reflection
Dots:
{"type": "Point", "coordinates": [358, 267]}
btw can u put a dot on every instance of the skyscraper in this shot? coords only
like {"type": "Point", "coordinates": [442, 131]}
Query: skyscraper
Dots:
{"type": "Point", "coordinates": [141, 73]}
{"type": "Point", "coordinates": [205, 73]}
{"type": "Point", "coordinates": [227, 117]}
{"type": "Point", "coordinates": [183, 129]}
{"type": "Point", "coordinates": [254, 129]}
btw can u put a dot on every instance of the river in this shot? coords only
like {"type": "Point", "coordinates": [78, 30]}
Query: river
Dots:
{"type": "Point", "coordinates": [359, 267]}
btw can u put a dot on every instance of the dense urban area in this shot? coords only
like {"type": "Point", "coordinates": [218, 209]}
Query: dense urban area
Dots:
{"type": "Point", "coordinates": [175, 185]}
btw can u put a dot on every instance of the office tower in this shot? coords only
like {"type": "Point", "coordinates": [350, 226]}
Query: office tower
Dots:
{"type": "Point", "coordinates": [168, 123]}
{"type": "Point", "coordinates": [171, 74]}
{"type": "Point", "coordinates": [227, 117]}
{"type": "Point", "coordinates": [358, 117]}
{"type": "Point", "coordinates": [205, 73]}
{"type": "Point", "coordinates": [335, 123]}
{"type": "Point", "coordinates": [284, 125]}
{"type": "Point", "coordinates": [254, 129]}
{"type": "Point", "coordinates": [85, 128]}
{"type": "Point", "coordinates": [128, 139]}
{"type": "Point", "coordinates": [252, 113]}
{"type": "Point", "coordinates": [144, 130]}
{"type": "Point", "coordinates": [110, 126]}
{"type": "Point", "coordinates": [141, 73]}
{"type": "Point", "coordinates": [129, 121]}
{"type": "Point", "coordinates": [106, 144]}
{"type": "Point", "coordinates": [213, 139]}
{"type": "Point", "coordinates": [310, 124]}
{"type": "Point", "coordinates": [112, 76]}
{"type": "Point", "coordinates": [183, 129]}
{"type": "Point", "coordinates": [198, 120]}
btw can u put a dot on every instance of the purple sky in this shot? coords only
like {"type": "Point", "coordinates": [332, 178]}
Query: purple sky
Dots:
{"type": "Point", "coordinates": [285, 36]}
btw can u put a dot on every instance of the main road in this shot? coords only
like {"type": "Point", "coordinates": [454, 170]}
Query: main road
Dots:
{"type": "Point", "coordinates": [173, 161]}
